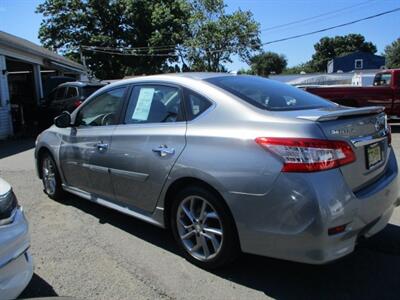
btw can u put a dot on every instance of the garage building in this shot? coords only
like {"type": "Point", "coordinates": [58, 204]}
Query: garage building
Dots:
{"type": "Point", "coordinates": [27, 73]}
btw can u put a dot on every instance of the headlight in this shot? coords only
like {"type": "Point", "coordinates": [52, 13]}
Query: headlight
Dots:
{"type": "Point", "coordinates": [8, 202]}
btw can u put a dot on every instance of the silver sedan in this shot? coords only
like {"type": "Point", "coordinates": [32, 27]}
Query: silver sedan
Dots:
{"type": "Point", "coordinates": [229, 164]}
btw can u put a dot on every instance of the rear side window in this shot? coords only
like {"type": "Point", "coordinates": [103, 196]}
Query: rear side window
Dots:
{"type": "Point", "coordinates": [269, 94]}
{"type": "Point", "coordinates": [195, 104]}
{"type": "Point", "coordinates": [154, 104]}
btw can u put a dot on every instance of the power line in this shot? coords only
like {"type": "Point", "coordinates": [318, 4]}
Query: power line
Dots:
{"type": "Point", "coordinates": [110, 50]}
{"type": "Point", "coordinates": [131, 54]}
{"type": "Point", "coordinates": [317, 16]}
{"type": "Point", "coordinates": [330, 28]}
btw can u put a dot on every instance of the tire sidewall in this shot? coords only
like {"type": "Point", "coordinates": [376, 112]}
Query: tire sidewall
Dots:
{"type": "Point", "coordinates": [229, 247]}
{"type": "Point", "coordinates": [58, 190]}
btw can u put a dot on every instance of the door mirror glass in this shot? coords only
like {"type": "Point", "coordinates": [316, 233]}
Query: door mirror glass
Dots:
{"type": "Point", "coordinates": [63, 120]}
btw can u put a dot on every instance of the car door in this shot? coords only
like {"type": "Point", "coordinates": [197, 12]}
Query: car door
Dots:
{"type": "Point", "coordinates": [146, 146]}
{"type": "Point", "coordinates": [84, 151]}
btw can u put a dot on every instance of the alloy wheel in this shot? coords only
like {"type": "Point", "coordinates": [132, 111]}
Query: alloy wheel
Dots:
{"type": "Point", "coordinates": [49, 176]}
{"type": "Point", "coordinates": [199, 228]}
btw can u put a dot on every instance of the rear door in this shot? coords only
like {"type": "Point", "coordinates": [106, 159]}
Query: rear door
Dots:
{"type": "Point", "coordinates": [146, 146]}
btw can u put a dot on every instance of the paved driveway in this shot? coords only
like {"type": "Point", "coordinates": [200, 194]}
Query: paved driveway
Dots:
{"type": "Point", "coordinates": [87, 251]}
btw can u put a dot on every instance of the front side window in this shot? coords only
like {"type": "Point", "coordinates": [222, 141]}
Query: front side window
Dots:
{"type": "Point", "coordinates": [154, 104]}
{"type": "Point", "coordinates": [102, 110]}
{"type": "Point", "coordinates": [269, 94]}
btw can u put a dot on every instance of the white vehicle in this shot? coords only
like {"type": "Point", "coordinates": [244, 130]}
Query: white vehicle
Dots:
{"type": "Point", "coordinates": [16, 266]}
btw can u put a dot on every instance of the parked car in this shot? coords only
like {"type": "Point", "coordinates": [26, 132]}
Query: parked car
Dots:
{"type": "Point", "coordinates": [385, 91]}
{"type": "Point", "coordinates": [16, 266]}
{"type": "Point", "coordinates": [228, 163]}
{"type": "Point", "coordinates": [66, 97]}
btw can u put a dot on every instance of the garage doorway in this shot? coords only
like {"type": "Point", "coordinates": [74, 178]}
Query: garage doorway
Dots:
{"type": "Point", "coordinates": [21, 85]}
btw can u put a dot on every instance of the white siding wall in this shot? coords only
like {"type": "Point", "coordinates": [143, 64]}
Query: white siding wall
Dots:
{"type": "Point", "coordinates": [5, 117]}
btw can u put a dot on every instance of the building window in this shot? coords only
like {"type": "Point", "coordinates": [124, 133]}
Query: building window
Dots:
{"type": "Point", "coordinates": [358, 64]}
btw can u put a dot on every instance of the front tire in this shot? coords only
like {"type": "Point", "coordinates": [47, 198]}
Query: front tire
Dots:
{"type": "Point", "coordinates": [50, 177]}
{"type": "Point", "coordinates": [203, 228]}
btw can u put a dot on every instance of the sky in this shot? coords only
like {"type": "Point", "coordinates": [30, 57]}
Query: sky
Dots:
{"type": "Point", "coordinates": [18, 17]}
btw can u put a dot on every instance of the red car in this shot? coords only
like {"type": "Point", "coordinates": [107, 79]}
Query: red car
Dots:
{"type": "Point", "coordinates": [385, 92]}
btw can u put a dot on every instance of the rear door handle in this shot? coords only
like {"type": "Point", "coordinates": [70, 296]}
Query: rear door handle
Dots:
{"type": "Point", "coordinates": [101, 146]}
{"type": "Point", "coordinates": [163, 150]}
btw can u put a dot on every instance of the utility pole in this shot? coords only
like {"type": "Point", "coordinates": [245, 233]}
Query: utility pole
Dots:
{"type": "Point", "coordinates": [83, 58]}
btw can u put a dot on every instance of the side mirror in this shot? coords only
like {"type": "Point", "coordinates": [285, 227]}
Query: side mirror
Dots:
{"type": "Point", "coordinates": [63, 120]}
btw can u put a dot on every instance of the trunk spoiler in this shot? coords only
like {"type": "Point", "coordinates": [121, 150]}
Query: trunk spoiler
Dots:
{"type": "Point", "coordinates": [344, 112]}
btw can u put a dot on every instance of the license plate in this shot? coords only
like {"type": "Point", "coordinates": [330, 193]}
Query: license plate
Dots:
{"type": "Point", "coordinates": [374, 154]}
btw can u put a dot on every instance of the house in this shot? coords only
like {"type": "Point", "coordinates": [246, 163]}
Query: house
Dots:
{"type": "Point", "coordinates": [355, 61]}
{"type": "Point", "coordinates": [25, 70]}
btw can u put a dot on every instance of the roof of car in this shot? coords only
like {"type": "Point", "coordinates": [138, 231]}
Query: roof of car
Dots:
{"type": "Point", "coordinates": [200, 75]}
{"type": "Point", "coordinates": [82, 84]}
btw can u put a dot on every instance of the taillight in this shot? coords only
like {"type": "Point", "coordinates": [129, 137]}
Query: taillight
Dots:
{"type": "Point", "coordinates": [308, 155]}
{"type": "Point", "coordinates": [77, 103]}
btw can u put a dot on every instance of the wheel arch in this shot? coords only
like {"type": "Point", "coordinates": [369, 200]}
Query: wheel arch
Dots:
{"type": "Point", "coordinates": [182, 182]}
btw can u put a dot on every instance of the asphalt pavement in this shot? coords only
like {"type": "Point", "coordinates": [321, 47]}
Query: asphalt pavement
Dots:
{"type": "Point", "coordinates": [86, 251]}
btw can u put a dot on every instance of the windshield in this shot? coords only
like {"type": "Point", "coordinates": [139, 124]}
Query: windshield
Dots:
{"type": "Point", "coordinates": [269, 94]}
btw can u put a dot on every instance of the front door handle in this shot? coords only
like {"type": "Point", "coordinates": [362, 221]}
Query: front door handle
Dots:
{"type": "Point", "coordinates": [163, 150]}
{"type": "Point", "coordinates": [101, 146]}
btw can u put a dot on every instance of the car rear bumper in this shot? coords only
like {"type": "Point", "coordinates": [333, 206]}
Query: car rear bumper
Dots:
{"type": "Point", "coordinates": [292, 220]}
{"type": "Point", "coordinates": [16, 267]}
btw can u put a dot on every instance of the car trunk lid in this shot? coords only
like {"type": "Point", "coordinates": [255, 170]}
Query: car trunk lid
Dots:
{"type": "Point", "coordinates": [365, 129]}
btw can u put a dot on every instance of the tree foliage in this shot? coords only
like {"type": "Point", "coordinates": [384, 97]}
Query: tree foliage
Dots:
{"type": "Point", "coordinates": [268, 62]}
{"type": "Point", "coordinates": [329, 48]}
{"type": "Point", "coordinates": [300, 68]}
{"type": "Point", "coordinates": [215, 36]}
{"type": "Point", "coordinates": [69, 24]}
{"type": "Point", "coordinates": [392, 54]}
{"type": "Point", "coordinates": [178, 34]}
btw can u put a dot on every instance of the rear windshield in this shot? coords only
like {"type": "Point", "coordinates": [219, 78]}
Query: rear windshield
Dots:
{"type": "Point", "coordinates": [88, 90]}
{"type": "Point", "coordinates": [269, 94]}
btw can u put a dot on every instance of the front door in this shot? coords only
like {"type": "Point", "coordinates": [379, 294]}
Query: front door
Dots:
{"type": "Point", "coordinates": [146, 146]}
{"type": "Point", "coordinates": [84, 151]}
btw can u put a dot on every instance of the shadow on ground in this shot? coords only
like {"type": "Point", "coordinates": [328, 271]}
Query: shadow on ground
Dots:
{"type": "Point", "coordinates": [371, 272]}
{"type": "Point", "coordinates": [11, 147]}
{"type": "Point", "coordinates": [38, 287]}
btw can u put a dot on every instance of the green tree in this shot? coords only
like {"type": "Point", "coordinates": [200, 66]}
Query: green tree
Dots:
{"type": "Point", "coordinates": [392, 54]}
{"type": "Point", "coordinates": [268, 62]}
{"type": "Point", "coordinates": [68, 25]}
{"type": "Point", "coordinates": [303, 67]}
{"type": "Point", "coordinates": [215, 36]}
{"type": "Point", "coordinates": [329, 48]}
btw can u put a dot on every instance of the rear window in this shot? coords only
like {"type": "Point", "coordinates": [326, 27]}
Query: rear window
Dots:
{"type": "Point", "coordinates": [88, 90]}
{"type": "Point", "coordinates": [269, 94]}
{"type": "Point", "coordinates": [383, 79]}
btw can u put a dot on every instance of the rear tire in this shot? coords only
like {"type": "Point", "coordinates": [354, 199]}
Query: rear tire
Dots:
{"type": "Point", "coordinates": [50, 177]}
{"type": "Point", "coordinates": [203, 228]}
